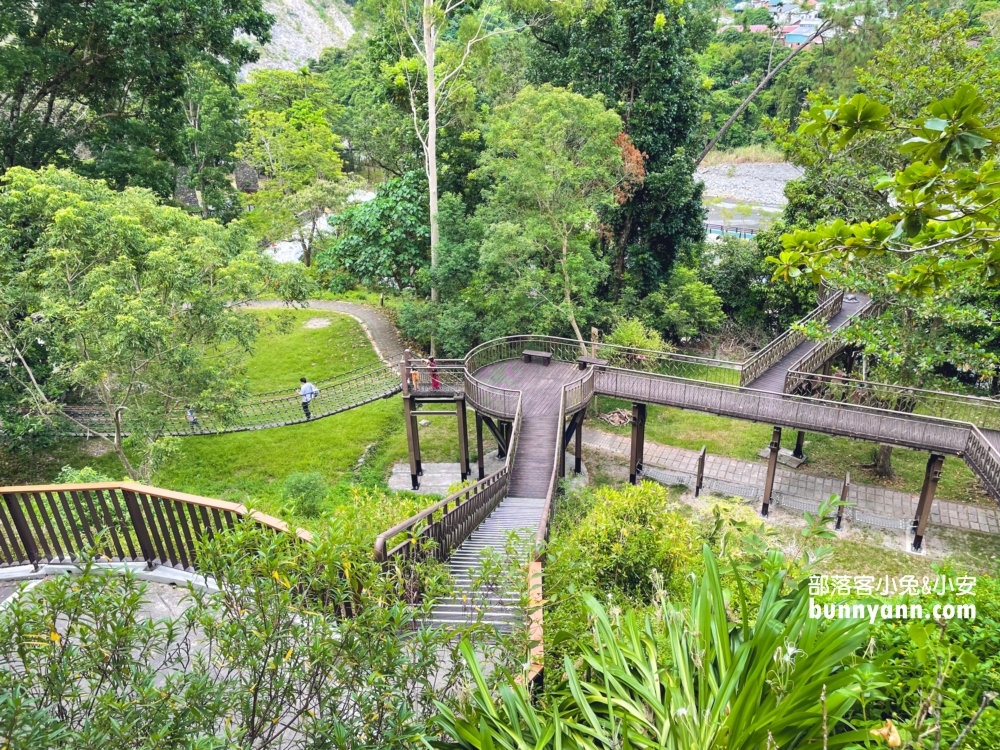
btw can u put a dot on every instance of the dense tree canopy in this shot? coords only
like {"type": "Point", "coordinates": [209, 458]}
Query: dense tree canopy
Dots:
{"type": "Point", "coordinates": [639, 56]}
{"type": "Point", "coordinates": [111, 298]}
{"type": "Point", "coordinates": [99, 85]}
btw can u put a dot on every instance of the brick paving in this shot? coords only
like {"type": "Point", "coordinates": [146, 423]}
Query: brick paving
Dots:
{"type": "Point", "coordinates": [878, 500]}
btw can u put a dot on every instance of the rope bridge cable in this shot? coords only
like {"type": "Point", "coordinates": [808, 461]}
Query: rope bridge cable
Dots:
{"type": "Point", "coordinates": [275, 408]}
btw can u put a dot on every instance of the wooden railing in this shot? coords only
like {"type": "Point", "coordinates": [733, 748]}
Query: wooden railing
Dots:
{"type": "Point", "coordinates": [814, 359]}
{"type": "Point", "coordinates": [568, 350]}
{"type": "Point", "coordinates": [764, 359]}
{"type": "Point", "coordinates": [124, 521]}
{"type": "Point", "coordinates": [798, 412]}
{"type": "Point", "coordinates": [984, 460]}
{"type": "Point", "coordinates": [442, 527]}
{"type": "Point", "coordinates": [978, 410]}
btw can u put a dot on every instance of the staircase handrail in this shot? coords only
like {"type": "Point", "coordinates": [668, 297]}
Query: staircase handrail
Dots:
{"type": "Point", "coordinates": [813, 359]}
{"type": "Point", "coordinates": [486, 491]}
{"type": "Point", "coordinates": [984, 459]}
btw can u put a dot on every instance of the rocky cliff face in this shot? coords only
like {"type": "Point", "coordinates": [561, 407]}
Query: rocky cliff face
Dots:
{"type": "Point", "coordinates": [302, 29]}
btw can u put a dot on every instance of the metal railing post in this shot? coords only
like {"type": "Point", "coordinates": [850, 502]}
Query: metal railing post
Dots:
{"type": "Point", "coordinates": [22, 529]}
{"type": "Point", "coordinates": [772, 467]}
{"type": "Point", "coordinates": [700, 478]}
{"type": "Point", "coordinates": [844, 494]}
{"type": "Point", "coordinates": [139, 524]}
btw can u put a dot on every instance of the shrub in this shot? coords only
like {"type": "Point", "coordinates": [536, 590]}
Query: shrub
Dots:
{"type": "Point", "coordinates": [86, 475]}
{"type": "Point", "coordinates": [269, 661]}
{"type": "Point", "coordinates": [629, 533]}
{"type": "Point", "coordinates": [306, 491]}
{"type": "Point", "coordinates": [607, 542]}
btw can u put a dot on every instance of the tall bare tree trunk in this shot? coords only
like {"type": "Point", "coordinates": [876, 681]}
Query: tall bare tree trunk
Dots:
{"type": "Point", "coordinates": [824, 27]}
{"type": "Point", "coordinates": [430, 155]}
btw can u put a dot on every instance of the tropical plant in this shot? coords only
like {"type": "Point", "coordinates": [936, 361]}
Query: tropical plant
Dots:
{"type": "Point", "coordinates": [688, 678]}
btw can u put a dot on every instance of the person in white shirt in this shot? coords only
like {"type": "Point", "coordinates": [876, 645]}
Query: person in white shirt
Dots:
{"type": "Point", "coordinates": [308, 392]}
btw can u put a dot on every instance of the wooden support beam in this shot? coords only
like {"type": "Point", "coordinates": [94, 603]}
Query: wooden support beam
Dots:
{"type": "Point", "coordinates": [800, 440]}
{"type": "Point", "coordinates": [499, 432]}
{"type": "Point", "coordinates": [480, 458]}
{"type": "Point", "coordinates": [578, 463]}
{"type": "Point", "coordinates": [772, 467]}
{"type": "Point", "coordinates": [463, 437]}
{"type": "Point", "coordinates": [412, 441]}
{"type": "Point", "coordinates": [845, 493]}
{"type": "Point", "coordinates": [700, 479]}
{"type": "Point", "coordinates": [932, 475]}
{"type": "Point", "coordinates": [638, 442]}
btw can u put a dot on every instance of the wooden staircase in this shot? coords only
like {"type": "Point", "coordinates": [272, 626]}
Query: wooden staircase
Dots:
{"type": "Point", "coordinates": [515, 517]}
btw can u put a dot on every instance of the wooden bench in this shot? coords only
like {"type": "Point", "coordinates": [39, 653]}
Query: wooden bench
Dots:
{"type": "Point", "coordinates": [584, 361]}
{"type": "Point", "coordinates": [545, 357]}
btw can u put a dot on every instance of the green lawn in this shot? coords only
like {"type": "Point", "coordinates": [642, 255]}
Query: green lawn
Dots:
{"type": "Point", "coordinates": [830, 456]}
{"type": "Point", "coordinates": [249, 467]}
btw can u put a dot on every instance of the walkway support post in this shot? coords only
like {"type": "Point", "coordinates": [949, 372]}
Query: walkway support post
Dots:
{"type": "Point", "coordinates": [800, 440]}
{"type": "Point", "coordinates": [699, 481]}
{"type": "Point", "coordinates": [772, 467]}
{"type": "Point", "coordinates": [480, 459]}
{"type": "Point", "coordinates": [412, 437]}
{"type": "Point", "coordinates": [463, 436]}
{"type": "Point", "coordinates": [638, 442]}
{"type": "Point", "coordinates": [845, 492]}
{"type": "Point", "coordinates": [578, 462]}
{"type": "Point", "coordinates": [932, 475]}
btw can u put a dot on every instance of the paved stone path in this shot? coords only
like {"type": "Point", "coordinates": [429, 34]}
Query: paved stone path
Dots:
{"type": "Point", "coordinates": [878, 500]}
{"type": "Point", "coordinates": [380, 330]}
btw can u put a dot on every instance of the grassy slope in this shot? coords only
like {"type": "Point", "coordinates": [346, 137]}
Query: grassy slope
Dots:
{"type": "Point", "coordinates": [831, 456]}
{"type": "Point", "coordinates": [249, 467]}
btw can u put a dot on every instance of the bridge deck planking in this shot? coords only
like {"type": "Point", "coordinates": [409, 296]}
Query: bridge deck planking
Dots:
{"type": "Point", "coordinates": [540, 387]}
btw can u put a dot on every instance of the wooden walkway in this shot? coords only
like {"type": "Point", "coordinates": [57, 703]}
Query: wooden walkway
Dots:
{"type": "Point", "coordinates": [773, 380]}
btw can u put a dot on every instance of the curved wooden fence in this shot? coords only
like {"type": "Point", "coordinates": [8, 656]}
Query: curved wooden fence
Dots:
{"type": "Point", "coordinates": [124, 521]}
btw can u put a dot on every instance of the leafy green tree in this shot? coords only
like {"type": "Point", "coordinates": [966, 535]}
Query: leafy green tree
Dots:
{"type": "Point", "coordinates": [383, 241]}
{"type": "Point", "coordinates": [924, 58]}
{"type": "Point", "coordinates": [214, 127]}
{"type": "Point", "coordinates": [116, 300]}
{"type": "Point", "coordinates": [100, 86]}
{"type": "Point", "coordinates": [740, 274]}
{"type": "Point", "coordinates": [297, 153]}
{"type": "Point", "coordinates": [552, 159]}
{"type": "Point", "coordinates": [684, 307]}
{"type": "Point", "coordinates": [640, 57]}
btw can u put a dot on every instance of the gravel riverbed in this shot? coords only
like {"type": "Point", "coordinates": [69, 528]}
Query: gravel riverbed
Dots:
{"type": "Point", "coordinates": [756, 184]}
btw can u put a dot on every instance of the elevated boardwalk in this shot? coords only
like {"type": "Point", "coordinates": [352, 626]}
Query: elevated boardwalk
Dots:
{"type": "Point", "coordinates": [773, 379]}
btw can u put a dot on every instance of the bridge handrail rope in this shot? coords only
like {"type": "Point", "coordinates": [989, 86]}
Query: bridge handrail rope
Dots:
{"type": "Point", "coordinates": [470, 506]}
{"type": "Point", "coordinates": [125, 521]}
{"type": "Point", "coordinates": [353, 388]}
{"type": "Point", "coordinates": [765, 358]}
